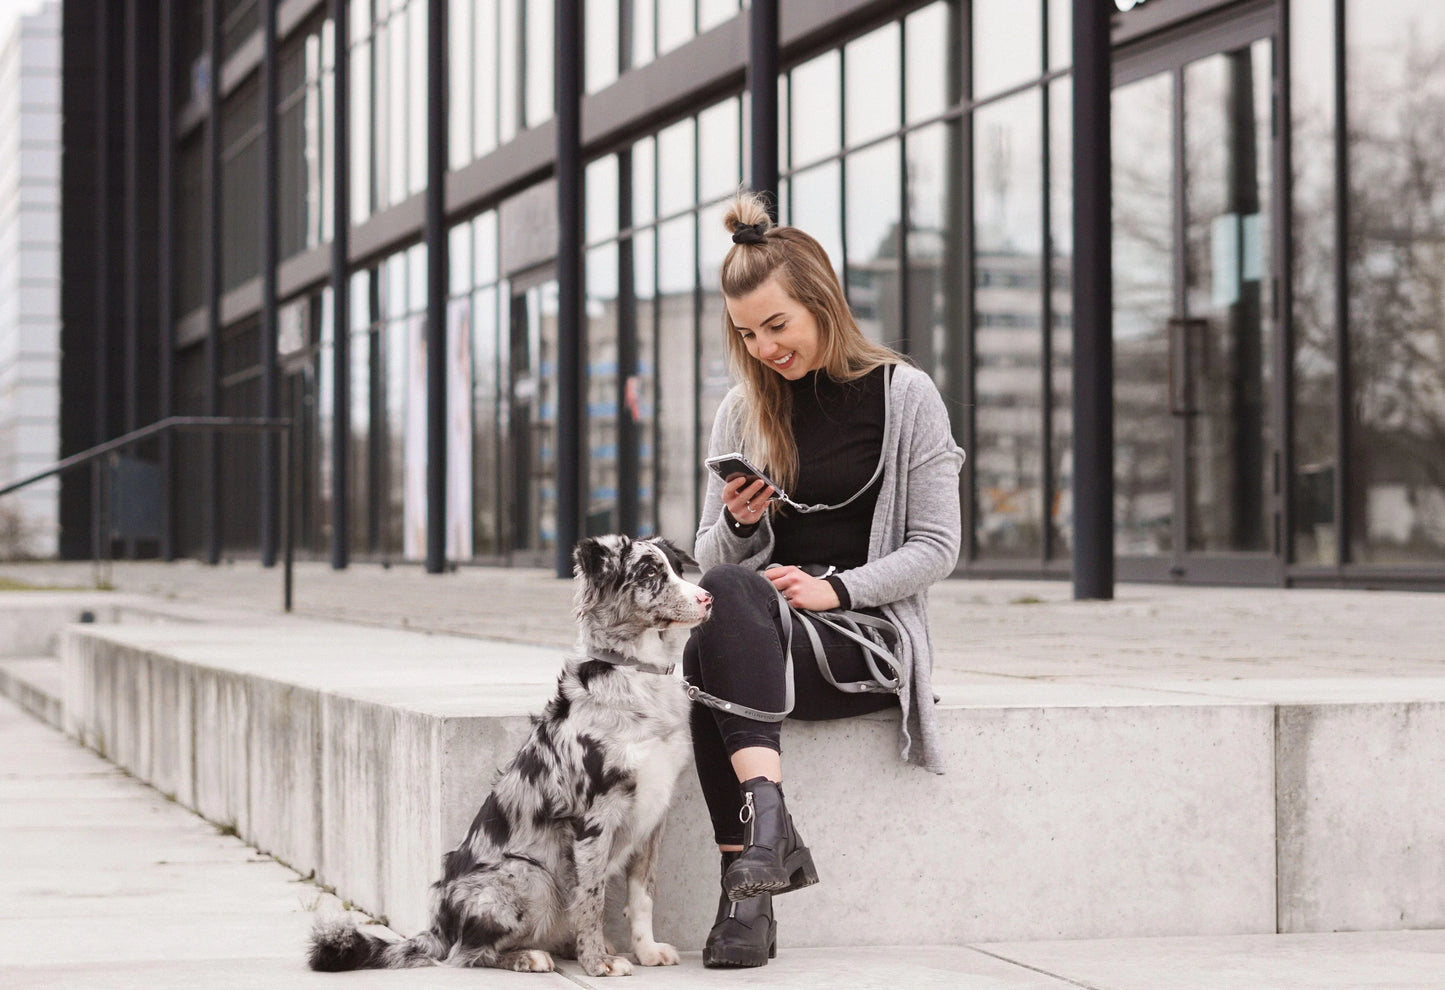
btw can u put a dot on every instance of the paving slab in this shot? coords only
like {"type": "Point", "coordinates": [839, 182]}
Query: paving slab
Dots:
{"type": "Point", "coordinates": [1405, 960]}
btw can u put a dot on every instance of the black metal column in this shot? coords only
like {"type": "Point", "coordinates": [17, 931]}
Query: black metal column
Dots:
{"type": "Point", "coordinates": [570, 425]}
{"type": "Point", "coordinates": [1093, 338]}
{"type": "Point", "coordinates": [103, 323]}
{"type": "Point", "coordinates": [165, 265]}
{"type": "Point", "coordinates": [763, 94]}
{"type": "Point", "coordinates": [211, 459]}
{"type": "Point", "coordinates": [131, 261]}
{"type": "Point", "coordinates": [436, 289]}
{"type": "Point", "coordinates": [341, 297]}
{"type": "Point", "coordinates": [629, 396]}
{"type": "Point", "coordinates": [270, 249]}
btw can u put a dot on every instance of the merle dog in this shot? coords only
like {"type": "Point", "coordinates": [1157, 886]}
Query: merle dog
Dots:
{"type": "Point", "coordinates": [585, 796]}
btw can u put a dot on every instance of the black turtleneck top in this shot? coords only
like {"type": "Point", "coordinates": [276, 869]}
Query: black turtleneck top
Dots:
{"type": "Point", "coordinates": [838, 427]}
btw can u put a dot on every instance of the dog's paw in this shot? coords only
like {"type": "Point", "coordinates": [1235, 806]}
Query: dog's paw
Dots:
{"type": "Point", "coordinates": [607, 966]}
{"type": "Point", "coordinates": [656, 954]}
{"type": "Point", "coordinates": [531, 961]}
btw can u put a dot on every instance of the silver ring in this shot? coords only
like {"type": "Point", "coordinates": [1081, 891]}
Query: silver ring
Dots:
{"type": "Point", "coordinates": [750, 507]}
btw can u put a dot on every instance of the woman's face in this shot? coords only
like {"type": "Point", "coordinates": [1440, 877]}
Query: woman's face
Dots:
{"type": "Point", "coordinates": [777, 330]}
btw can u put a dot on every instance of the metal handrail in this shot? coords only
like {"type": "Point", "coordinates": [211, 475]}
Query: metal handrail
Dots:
{"type": "Point", "coordinates": [211, 424]}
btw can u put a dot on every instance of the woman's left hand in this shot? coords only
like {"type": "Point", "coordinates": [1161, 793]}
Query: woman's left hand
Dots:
{"type": "Point", "coordinates": [801, 589]}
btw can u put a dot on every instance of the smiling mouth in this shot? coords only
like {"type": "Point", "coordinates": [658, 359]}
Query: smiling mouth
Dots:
{"type": "Point", "coordinates": [784, 362]}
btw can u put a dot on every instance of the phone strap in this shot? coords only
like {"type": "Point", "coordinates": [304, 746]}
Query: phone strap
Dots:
{"type": "Point", "coordinates": [882, 456]}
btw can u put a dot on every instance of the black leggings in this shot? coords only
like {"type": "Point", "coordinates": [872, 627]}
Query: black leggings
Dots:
{"type": "Point", "coordinates": [737, 655]}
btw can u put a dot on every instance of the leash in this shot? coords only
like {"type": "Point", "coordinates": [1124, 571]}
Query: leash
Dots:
{"type": "Point", "coordinates": [852, 626]}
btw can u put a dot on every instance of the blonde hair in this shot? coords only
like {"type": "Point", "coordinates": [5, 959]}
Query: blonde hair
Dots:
{"type": "Point", "coordinates": [805, 274]}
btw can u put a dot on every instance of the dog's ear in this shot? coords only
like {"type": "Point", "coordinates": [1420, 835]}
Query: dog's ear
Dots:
{"type": "Point", "coordinates": [589, 558]}
{"type": "Point", "coordinates": [676, 556]}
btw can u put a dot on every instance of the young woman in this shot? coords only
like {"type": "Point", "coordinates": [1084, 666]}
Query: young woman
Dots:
{"type": "Point", "coordinates": [860, 442]}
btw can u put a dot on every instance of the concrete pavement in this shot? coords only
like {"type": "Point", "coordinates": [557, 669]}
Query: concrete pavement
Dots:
{"type": "Point", "coordinates": [105, 884]}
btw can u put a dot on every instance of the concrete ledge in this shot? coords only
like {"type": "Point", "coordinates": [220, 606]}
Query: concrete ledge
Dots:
{"type": "Point", "coordinates": [1086, 812]}
{"type": "Point", "coordinates": [30, 621]}
{"type": "Point", "coordinates": [35, 685]}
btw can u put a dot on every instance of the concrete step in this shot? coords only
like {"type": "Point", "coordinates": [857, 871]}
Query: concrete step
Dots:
{"type": "Point", "coordinates": [1070, 811]}
{"type": "Point", "coordinates": [166, 903]}
{"type": "Point", "coordinates": [35, 684]}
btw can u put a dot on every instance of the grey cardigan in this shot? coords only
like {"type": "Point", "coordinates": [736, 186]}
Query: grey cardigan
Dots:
{"type": "Point", "coordinates": [914, 540]}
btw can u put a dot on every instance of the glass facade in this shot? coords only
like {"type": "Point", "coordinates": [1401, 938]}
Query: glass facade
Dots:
{"type": "Point", "coordinates": [1395, 425]}
{"type": "Point", "coordinates": [1278, 385]}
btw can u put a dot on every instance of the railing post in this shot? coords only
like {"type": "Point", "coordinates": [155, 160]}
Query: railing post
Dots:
{"type": "Point", "coordinates": [288, 518]}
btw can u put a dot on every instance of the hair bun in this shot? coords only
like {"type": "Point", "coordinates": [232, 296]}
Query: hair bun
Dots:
{"type": "Point", "coordinates": [749, 233]}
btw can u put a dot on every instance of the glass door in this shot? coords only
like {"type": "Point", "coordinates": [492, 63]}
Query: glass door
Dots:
{"type": "Point", "coordinates": [531, 472]}
{"type": "Point", "coordinates": [1195, 335]}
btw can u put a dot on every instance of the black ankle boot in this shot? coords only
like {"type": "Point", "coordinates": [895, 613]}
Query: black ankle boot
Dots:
{"type": "Point", "coordinates": [744, 934]}
{"type": "Point", "coordinates": [775, 860]}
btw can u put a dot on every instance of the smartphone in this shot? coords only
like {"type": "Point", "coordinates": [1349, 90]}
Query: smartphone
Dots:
{"type": "Point", "coordinates": [729, 466]}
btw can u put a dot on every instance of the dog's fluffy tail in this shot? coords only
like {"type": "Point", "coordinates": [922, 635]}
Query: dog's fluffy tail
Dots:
{"type": "Point", "coordinates": [338, 945]}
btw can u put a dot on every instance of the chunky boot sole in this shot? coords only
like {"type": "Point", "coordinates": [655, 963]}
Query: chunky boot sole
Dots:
{"type": "Point", "coordinates": [734, 956]}
{"type": "Point", "coordinates": [744, 880]}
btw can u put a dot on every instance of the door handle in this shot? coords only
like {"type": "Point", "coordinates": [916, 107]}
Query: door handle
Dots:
{"type": "Point", "coordinates": [1183, 332]}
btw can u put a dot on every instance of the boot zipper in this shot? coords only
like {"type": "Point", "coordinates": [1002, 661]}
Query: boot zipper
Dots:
{"type": "Point", "coordinates": [746, 816]}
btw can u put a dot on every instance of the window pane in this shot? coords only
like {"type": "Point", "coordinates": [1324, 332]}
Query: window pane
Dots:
{"type": "Point", "coordinates": [873, 79]}
{"type": "Point", "coordinates": [926, 65]}
{"type": "Point", "coordinates": [1396, 83]}
{"type": "Point", "coordinates": [874, 191]}
{"type": "Point", "coordinates": [1313, 231]}
{"type": "Point", "coordinates": [1008, 343]}
{"type": "Point", "coordinates": [484, 247]}
{"type": "Point", "coordinates": [644, 34]}
{"type": "Point", "coordinates": [674, 23]}
{"type": "Point", "coordinates": [601, 388]}
{"type": "Point", "coordinates": [459, 259]}
{"type": "Point", "coordinates": [717, 138]}
{"type": "Point", "coordinates": [711, 13]}
{"type": "Point", "coordinates": [644, 181]}
{"type": "Point", "coordinates": [713, 245]}
{"type": "Point", "coordinates": [815, 203]}
{"type": "Point", "coordinates": [484, 74]}
{"type": "Point", "coordinates": [644, 266]}
{"type": "Point", "coordinates": [1061, 299]}
{"type": "Point", "coordinates": [1061, 33]}
{"type": "Point", "coordinates": [1007, 44]}
{"type": "Point", "coordinates": [395, 133]}
{"type": "Point", "coordinates": [540, 42]}
{"type": "Point", "coordinates": [675, 180]}
{"type": "Point", "coordinates": [486, 464]}
{"type": "Point", "coordinates": [241, 180]}
{"type": "Point", "coordinates": [677, 454]}
{"type": "Point", "coordinates": [931, 333]}
{"type": "Point", "coordinates": [601, 200]}
{"type": "Point", "coordinates": [815, 110]}
{"type": "Point", "coordinates": [459, 82]}
{"type": "Point", "coordinates": [416, 101]}
{"type": "Point", "coordinates": [509, 45]}
{"type": "Point", "coordinates": [601, 44]}
{"type": "Point", "coordinates": [190, 239]}
{"type": "Point", "coordinates": [359, 133]}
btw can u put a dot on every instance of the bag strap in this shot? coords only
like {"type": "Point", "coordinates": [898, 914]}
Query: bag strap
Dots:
{"type": "Point", "coordinates": [851, 625]}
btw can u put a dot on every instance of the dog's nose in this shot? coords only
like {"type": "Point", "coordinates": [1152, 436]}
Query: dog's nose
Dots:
{"type": "Point", "coordinates": [703, 598]}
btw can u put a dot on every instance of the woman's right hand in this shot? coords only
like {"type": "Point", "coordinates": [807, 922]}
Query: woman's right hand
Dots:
{"type": "Point", "coordinates": [746, 499]}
